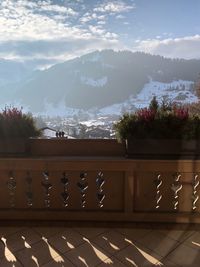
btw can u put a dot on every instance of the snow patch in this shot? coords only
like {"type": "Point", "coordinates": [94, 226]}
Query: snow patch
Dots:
{"type": "Point", "coordinates": [177, 91]}
{"type": "Point", "coordinates": [95, 83]}
{"type": "Point", "coordinates": [90, 123]}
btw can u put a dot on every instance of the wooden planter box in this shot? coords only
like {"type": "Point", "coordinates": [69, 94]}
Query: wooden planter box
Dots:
{"type": "Point", "coordinates": [162, 148]}
{"type": "Point", "coordinates": [75, 147]}
{"type": "Point", "coordinates": [13, 146]}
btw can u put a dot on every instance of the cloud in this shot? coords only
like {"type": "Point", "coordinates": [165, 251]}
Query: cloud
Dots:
{"type": "Point", "coordinates": [114, 7]}
{"type": "Point", "coordinates": [89, 16]}
{"type": "Point", "coordinates": [59, 9]}
{"type": "Point", "coordinates": [25, 20]}
{"type": "Point", "coordinates": [40, 30]}
{"type": "Point", "coordinates": [120, 16]}
{"type": "Point", "coordinates": [97, 30]}
{"type": "Point", "coordinates": [186, 47]}
{"type": "Point", "coordinates": [45, 53]}
{"type": "Point", "coordinates": [101, 22]}
{"type": "Point", "coordinates": [57, 51]}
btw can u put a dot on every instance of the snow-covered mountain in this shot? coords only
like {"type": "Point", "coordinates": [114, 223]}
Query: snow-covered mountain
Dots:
{"type": "Point", "coordinates": [107, 82]}
{"type": "Point", "coordinates": [180, 92]}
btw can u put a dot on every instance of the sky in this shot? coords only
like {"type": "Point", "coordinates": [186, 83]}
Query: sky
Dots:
{"type": "Point", "coordinates": [45, 32]}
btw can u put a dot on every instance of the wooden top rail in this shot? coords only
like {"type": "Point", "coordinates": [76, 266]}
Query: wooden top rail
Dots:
{"type": "Point", "coordinates": [99, 163]}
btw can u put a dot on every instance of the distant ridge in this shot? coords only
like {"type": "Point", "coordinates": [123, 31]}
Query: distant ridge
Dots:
{"type": "Point", "coordinates": [101, 78]}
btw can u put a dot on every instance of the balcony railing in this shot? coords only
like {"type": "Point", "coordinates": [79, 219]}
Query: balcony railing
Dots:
{"type": "Point", "coordinates": [97, 184]}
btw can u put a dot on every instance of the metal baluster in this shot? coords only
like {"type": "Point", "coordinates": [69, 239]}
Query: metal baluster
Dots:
{"type": "Point", "coordinates": [47, 186]}
{"type": "Point", "coordinates": [29, 192]}
{"type": "Point", "coordinates": [65, 195]}
{"type": "Point", "coordinates": [176, 187]}
{"type": "Point", "coordinates": [158, 182]}
{"type": "Point", "coordinates": [195, 196]}
{"type": "Point", "coordinates": [100, 181]}
{"type": "Point", "coordinates": [83, 186]}
{"type": "Point", "coordinates": [11, 185]}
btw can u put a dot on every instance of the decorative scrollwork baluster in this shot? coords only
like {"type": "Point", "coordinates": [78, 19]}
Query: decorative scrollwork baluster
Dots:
{"type": "Point", "coordinates": [12, 184]}
{"type": "Point", "coordinates": [100, 181]}
{"type": "Point", "coordinates": [29, 192]}
{"type": "Point", "coordinates": [176, 187]}
{"type": "Point", "coordinates": [195, 196]}
{"type": "Point", "coordinates": [65, 195]}
{"type": "Point", "coordinates": [83, 186]}
{"type": "Point", "coordinates": [47, 186]}
{"type": "Point", "coordinates": [158, 182]}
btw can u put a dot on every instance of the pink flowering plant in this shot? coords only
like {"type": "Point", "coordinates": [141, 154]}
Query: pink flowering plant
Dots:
{"type": "Point", "coordinates": [164, 121]}
{"type": "Point", "coordinates": [14, 123]}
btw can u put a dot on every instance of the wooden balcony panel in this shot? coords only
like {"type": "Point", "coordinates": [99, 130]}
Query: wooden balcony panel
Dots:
{"type": "Point", "coordinates": [131, 190]}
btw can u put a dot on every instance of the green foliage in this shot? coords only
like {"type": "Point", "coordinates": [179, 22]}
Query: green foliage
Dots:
{"type": "Point", "coordinates": [164, 121]}
{"type": "Point", "coordinates": [13, 123]}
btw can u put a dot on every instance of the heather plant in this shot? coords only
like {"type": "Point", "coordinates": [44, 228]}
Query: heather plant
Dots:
{"type": "Point", "coordinates": [14, 123]}
{"type": "Point", "coordinates": [165, 121]}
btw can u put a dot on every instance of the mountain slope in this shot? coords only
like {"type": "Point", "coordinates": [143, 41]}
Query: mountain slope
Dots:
{"type": "Point", "coordinates": [100, 79]}
{"type": "Point", "coordinates": [13, 75]}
